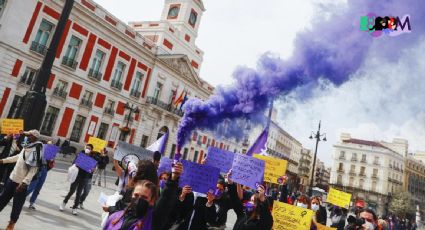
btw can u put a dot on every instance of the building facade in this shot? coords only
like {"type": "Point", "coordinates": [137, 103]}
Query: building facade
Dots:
{"type": "Point", "coordinates": [367, 169]}
{"type": "Point", "coordinates": [103, 68]}
{"type": "Point", "coordinates": [321, 175]}
{"type": "Point", "coordinates": [414, 182]}
{"type": "Point", "coordinates": [304, 170]}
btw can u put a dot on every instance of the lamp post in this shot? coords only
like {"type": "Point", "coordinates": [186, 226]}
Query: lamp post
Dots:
{"type": "Point", "coordinates": [34, 101]}
{"type": "Point", "coordinates": [132, 109]}
{"type": "Point", "coordinates": [318, 136]}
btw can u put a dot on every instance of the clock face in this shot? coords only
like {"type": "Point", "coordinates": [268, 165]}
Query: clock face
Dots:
{"type": "Point", "coordinates": [173, 12]}
{"type": "Point", "coordinates": [192, 18]}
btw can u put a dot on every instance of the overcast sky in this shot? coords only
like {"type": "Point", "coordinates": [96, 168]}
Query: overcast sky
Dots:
{"type": "Point", "coordinates": [380, 103]}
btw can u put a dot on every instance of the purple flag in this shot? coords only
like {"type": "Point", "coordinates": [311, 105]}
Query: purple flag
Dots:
{"type": "Point", "coordinates": [85, 162]}
{"type": "Point", "coordinates": [159, 145]}
{"type": "Point", "coordinates": [259, 145]}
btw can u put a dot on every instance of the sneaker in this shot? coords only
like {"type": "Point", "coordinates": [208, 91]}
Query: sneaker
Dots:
{"type": "Point", "coordinates": [62, 206]}
{"type": "Point", "coordinates": [32, 207]}
{"type": "Point", "coordinates": [81, 206]}
{"type": "Point", "coordinates": [74, 211]}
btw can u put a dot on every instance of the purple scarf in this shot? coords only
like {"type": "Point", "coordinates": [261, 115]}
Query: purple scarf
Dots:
{"type": "Point", "coordinates": [146, 220]}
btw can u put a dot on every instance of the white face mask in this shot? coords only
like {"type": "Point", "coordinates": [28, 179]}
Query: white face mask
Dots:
{"type": "Point", "coordinates": [87, 151]}
{"type": "Point", "coordinates": [302, 205]}
{"type": "Point", "coordinates": [315, 207]}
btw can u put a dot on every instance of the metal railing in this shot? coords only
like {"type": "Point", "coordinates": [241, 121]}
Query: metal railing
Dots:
{"type": "Point", "coordinates": [342, 157]}
{"type": "Point", "coordinates": [116, 84]}
{"type": "Point", "coordinates": [109, 111]}
{"type": "Point", "coordinates": [96, 75]}
{"type": "Point", "coordinates": [135, 93]}
{"type": "Point", "coordinates": [86, 103]}
{"type": "Point", "coordinates": [38, 48]}
{"type": "Point", "coordinates": [376, 163]}
{"type": "Point", "coordinates": [164, 106]}
{"type": "Point", "coordinates": [375, 177]}
{"type": "Point", "coordinates": [354, 159]}
{"type": "Point", "coordinates": [69, 62]}
{"type": "Point", "coordinates": [60, 93]}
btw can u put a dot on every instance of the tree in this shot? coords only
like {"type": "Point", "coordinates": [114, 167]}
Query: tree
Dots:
{"type": "Point", "coordinates": [401, 204]}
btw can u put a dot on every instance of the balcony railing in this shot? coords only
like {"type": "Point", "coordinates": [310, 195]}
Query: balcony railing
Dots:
{"type": "Point", "coordinates": [128, 118]}
{"type": "Point", "coordinates": [135, 93]}
{"type": "Point", "coordinates": [354, 159]}
{"type": "Point", "coordinates": [363, 161]}
{"type": "Point", "coordinates": [352, 173]}
{"type": "Point", "coordinates": [164, 106]}
{"type": "Point", "coordinates": [96, 75]}
{"type": "Point", "coordinates": [86, 103]}
{"type": "Point", "coordinates": [376, 163]}
{"type": "Point", "coordinates": [60, 93]}
{"type": "Point", "coordinates": [340, 170]}
{"type": "Point", "coordinates": [38, 48]}
{"type": "Point", "coordinates": [71, 63]}
{"type": "Point", "coordinates": [109, 111]}
{"type": "Point", "coordinates": [342, 157]}
{"type": "Point", "coordinates": [375, 177]}
{"type": "Point", "coordinates": [116, 84]}
{"type": "Point", "coordinates": [362, 174]}
{"type": "Point", "coordinates": [25, 81]}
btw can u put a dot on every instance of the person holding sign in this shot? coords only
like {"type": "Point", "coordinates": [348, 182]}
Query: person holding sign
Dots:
{"type": "Point", "coordinates": [253, 215]}
{"type": "Point", "coordinates": [146, 211]}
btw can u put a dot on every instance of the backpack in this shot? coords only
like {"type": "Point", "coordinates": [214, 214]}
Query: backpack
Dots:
{"type": "Point", "coordinates": [39, 161]}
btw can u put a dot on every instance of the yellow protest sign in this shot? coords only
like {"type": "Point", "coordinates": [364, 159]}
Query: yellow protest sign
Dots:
{"type": "Point", "coordinates": [98, 144]}
{"type": "Point", "coordinates": [275, 168]}
{"type": "Point", "coordinates": [290, 217]}
{"type": "Point", "coordinates": [12, 126]}
{"type": "Point", "coordinates": [339, 198]}
{"type": "Point", "coordinates": [323, 227]}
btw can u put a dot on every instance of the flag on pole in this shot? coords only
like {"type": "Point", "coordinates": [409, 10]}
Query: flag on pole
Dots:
{"type": "Point", "coordinates": [179, 99]}
{"type": "Point", "coordinates": [184, 100]}
{"type": "Point", "coordinates": [159, 145]}
{"type": "Point", "coordinates": [259, 146]}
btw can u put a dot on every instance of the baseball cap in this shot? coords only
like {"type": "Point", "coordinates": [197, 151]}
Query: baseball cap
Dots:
{"type": "Point", "coordinates": [33, 132]}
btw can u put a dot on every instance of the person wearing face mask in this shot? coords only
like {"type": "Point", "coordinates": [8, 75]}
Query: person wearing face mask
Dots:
{"type": "Point", "coordinates": [302, 202]}
{"type": "Point", "coordinates": [146, 211]}
{"type": "Point", "coordinates": [371, 220]}
{"type": "Point", "coordinates": [28, 162]}
{"type": "Point", "coordinates": [320, 211]}
{"type": "Point", "coordinates": [218, 205]}
{"type": "Point", "coordinates": [253, 215]}
{"type": "Point", "coordinates": [163, 177]}
{"type": "Point", "coordinates": [78, 185]}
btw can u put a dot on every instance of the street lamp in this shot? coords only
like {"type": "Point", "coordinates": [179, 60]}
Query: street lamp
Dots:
{"type": "Point", "coordinates": [132, 109]}
{"type": "Point", "coordinates": [318, 136]}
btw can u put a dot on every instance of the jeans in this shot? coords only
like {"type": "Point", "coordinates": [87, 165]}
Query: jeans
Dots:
{"type": "Point", "coordinates": [78, 186]}
{"type": "Point", "coordinates": [100, 173]}
{"type": "Point", "coordinates": [18, 199]}
{"type": "Point", "coordinates": [86, 191]}
{"type": "Point", "coordinates": [35, 186]}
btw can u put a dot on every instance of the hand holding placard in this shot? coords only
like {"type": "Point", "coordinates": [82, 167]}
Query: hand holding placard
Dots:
{"type": "Point", "coordinates": [85, 162]}
{"type": "Point", "coordinates": [339, 198]}
{"type": "Point", "coordinates": [201, 178]}
{"type": "Point", "coordinates": [247, 170]}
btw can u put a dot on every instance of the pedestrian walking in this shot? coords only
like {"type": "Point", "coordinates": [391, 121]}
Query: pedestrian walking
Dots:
{"type": "Point", "coordinates": [101, 166]}
{"type": "Point", "coordinates": [28, 162]}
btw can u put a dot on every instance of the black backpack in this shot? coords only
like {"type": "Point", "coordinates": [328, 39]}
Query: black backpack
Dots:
{"type": "Point", "coordinates": [39, 161]}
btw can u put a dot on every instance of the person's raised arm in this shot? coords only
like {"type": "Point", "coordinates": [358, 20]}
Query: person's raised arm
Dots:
{"type": "Point", "coordinates": [118, 170]}
{"type": "Point", "coordinates": [234, 198]}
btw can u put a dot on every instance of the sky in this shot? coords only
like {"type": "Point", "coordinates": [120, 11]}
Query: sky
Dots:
{"type": "Point", "coordinates": [381, 102]}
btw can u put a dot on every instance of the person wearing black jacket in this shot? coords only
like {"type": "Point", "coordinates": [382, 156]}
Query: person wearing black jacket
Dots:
{"type": "Point", "coordinates": [12, 147]}
{"type": "Point", "coordinates": [320, 211]}
{"type": "Point", "coordinates": [254, 215]}
{"type": "Point", "coordinates": [220, 203]}
{"type": "Point", "coordinates": [146, 211]}
{"type": "Point", "coordinates": [102, 163]}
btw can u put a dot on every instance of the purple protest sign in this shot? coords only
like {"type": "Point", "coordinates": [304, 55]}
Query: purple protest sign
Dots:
{"type": "Point", "coordinates": [165, 165]}
{"type": "Point", "coordinates": [50, 151]}
{"type": "Point", "coordinates": [247, 170]}
{"type": "Point", "coordinates": [201, 178]}
{"type": "Point", "coordinates": [85, 162]}
{"type": "Point", "coordinates": [219, 158]}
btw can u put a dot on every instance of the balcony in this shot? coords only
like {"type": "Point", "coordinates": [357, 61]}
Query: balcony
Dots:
{"type": "Point", "coordinates": [60, 93]}
{"type": "Point", "coordinates": [340, 170]}
{"type": "Point", "coordinates": [164, 106]}
{"type": "Point", "coordinates": [95, 75]}
{"type": "Point", "coordinates": [128, 118]}
{"type": "Point", "coordinates": [135, 93]}
{"type": "Point", "coordinates": [362, 174]}
{"type": "Point", "coordinates": [116, 84]}
{"type": "Point", "coordinates": [71, 63]}
{"type": "Point", "coordinates": [363, 161]}
{"type": "Point", "coordinates": [342, 157]}
{"type": "Point", "coordinates": [25, 81]}
{"type": "Point", "coordinates": [38, 48]}
{"type": "Point", "coordinates": [86, 103]}
{"type": "Point", "coordinates": [354, 159]}
{"type": "Point", "coordinates": [109, 111]}
{"type": "Point", "coordinates": [352, 173]}
{"type": "Point", "coordinates": [376, 163]}
{"type": "Point", "coordinates": [375, 177]}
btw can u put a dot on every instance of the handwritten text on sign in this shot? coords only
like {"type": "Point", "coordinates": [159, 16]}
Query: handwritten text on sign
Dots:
{"type": "Point", "coordinates": [201, 178]}
{"type": "Point", "coordinates": [219, 158]}
{"type": "Point", "coordinates": [275, 168]}
{"type": "Point", "coordinates": [289, 217]}
{"type": "Point", "coordinates": [98, 144]}
{"type": "Point", "coordinates": [85, 162]}
{"type": "Point", "coordinates": [11, 126]}
{"type": "Point", "coordinates": [339, 198]}
{"type": "Point", "coordinates": [247, 170]}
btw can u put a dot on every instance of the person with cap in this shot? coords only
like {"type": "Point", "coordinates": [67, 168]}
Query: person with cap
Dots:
{"type": "Point", "coordinates": [28, 162]}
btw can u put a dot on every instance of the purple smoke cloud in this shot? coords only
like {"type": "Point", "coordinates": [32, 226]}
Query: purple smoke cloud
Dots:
{"type": "Point", "coordinates": [333, 49]}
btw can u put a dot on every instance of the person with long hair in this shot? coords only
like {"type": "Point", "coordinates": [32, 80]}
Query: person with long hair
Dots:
{"type": "Point", "coordinates": [253, 215]}
{"type": "Point", "coordinates": [146, 211]}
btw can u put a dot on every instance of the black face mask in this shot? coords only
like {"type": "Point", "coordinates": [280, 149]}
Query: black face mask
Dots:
{"type": "Point", "coordinates": [141, 207]}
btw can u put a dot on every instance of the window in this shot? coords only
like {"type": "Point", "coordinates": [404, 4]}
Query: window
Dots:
{"type": "Point", "coordinates": [109, 108]}
{"type": "Point", "coordinates": [193, 17]}
{"type": "Point", "coordinates": [376, 161]}
{"type": "Point", "coordinates": [173, 12]}
{"type": "Point", "coordinates": [364, 158]}
{"type": "Point", "coordinates": [342, 155]}
{"type": "Point", "coordinates": [96, 65]}
{"type": "Point", "coordinates": [103, 129]}
{"type": "Point", "coordinates": [361, 183]}
{"type": "Point", "coordinates": [157, 92]}
{"type": "Point", "coordinates": [2, 6]}
{"type": "Point", "coordinates": [195, 157]}
{"type": "Point", "coordinates": [28, 76]}
{"type": "Point", "coordinates": [14, 108]}
{"type": "Point", "coordinates": [49, 121]}
{"type": "Point", "coordinates": [60, 89]}
{"type": "Point", "coordinates": [185, 152]}
{"type": "Point", "coordinates": [341, 167]}
{"type": "Point", "coordinates": [144, 141]}
{"type": "Point", "coordinates": [351, 181]}
{"type": "Point", "coordinates": [72, 52]}
{"type": "Point", "coordinates": [118, 74]}
{"type": "Point", "coordinates": [374, 186]}
{"type": "Point", "coordinates": [173, 151]}
{"type": "Point", "coordinates": [137, 83]}
{"type": "Point", "coordinates": [354, 157]}
{"type": "Point", "coordinates": [362, 170]}
{"type": "Point", "coordinates": [87, 99]}
{"type": "Point", "coordinates": [78, 128]}
{"type": "Point", "coordinates": [352, 169]}
{"type": "Point", "coordinates": [375, 172]}
{"type": "Point", "coordinates": [42, 37]}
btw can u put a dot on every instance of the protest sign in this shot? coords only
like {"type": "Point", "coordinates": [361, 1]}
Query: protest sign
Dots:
{"type": "Point", "coordinates": [274, 170]}
{"type": "Point", "coordinates": [50, 151]}
{"type": "Point", "coordinates": [11, 126]}
{"type": "Point", "coordinates": [201, 178]}
{"type": "Point", "coordinates": [290, 217]}
{"type": "Point", "coordinates": [85, 162]}
{"type": "Point", "coordinates": [165, 165]}
{"type": "Point", "coordinates": [247, 170]}
{"type": "Point", "coordinates": [339, 198]}
{"type": "Point", "coordinates": [219, 158]}
{"type": "Point", "coordinates": [98, 144]}
{"type": "Point", "coordinates": [323, 227]}
{"type": "Point", "coordinates": [127, 150]}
